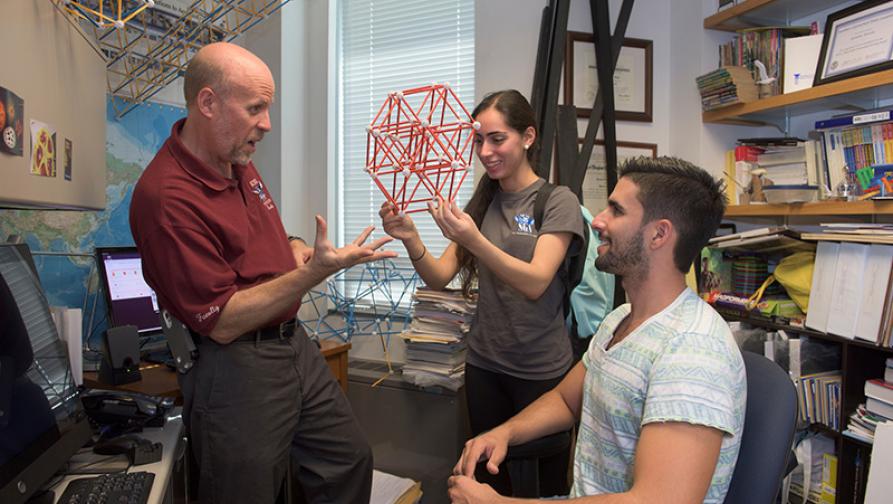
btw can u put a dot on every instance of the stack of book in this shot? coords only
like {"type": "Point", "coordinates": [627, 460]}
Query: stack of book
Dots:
{"type": "Point", "coordinates": [878, 407]}
{"type": "Point", "coordinates": [764, 45]}
{"type": "Point", "coordinates": [435, 340]}
{"type": "Point", "coordinates": [786, 161]}
{"type": "Point", "coordinates": [726, 86]}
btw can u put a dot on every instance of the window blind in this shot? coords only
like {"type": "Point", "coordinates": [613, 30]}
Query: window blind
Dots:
{"type": "Point", "coordinates": [386, 46]}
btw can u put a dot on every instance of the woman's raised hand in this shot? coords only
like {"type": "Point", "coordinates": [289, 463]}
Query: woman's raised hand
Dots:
{"type": "Point", "coordinates": [395, 223]}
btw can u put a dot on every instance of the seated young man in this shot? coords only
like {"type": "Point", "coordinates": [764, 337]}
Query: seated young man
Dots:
{"type": "Point", "coordinates": [660, 393]}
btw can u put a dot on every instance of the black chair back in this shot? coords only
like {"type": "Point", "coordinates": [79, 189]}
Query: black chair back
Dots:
{"type": "Point", "coordinates": [769, 424]}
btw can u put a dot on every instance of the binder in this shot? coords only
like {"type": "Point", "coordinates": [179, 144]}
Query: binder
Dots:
{"type": "Point", "coordinates": [822, 285]}
{"type": "Point", "coordinates": [855, 119]}
{"type": "Point", "coordinates": [846, 295]}
{"type": "Point", "coordinates": [877, 276]}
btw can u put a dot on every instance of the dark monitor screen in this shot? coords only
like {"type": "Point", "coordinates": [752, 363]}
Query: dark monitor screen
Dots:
{"type": "Point", "coordinates": [43, 422]}
{"type": "Point", "coordinates": [129, 299]}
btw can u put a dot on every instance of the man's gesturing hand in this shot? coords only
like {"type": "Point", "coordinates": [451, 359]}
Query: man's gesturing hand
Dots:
{"type": "Point", "coordinates": [331, 259]}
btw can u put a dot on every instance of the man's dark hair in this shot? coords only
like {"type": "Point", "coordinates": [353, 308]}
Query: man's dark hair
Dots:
{"type": "Point", "coordinates": [689, 197]}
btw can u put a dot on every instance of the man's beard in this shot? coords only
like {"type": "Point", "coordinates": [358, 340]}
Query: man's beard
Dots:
{"type": "Point", "coordinates": [627, 259]}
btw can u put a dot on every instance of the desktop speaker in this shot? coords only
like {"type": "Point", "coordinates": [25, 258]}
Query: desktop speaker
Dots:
{"type": "Point", "coordinates": [120, 356]}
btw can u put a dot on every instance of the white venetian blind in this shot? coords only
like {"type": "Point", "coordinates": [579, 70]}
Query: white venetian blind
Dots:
{"type": "Point", "coordinates": [385, 46]}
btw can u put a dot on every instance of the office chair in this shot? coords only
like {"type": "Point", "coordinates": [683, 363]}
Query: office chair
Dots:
{"type": "Point", "coordinates": [769, 425]}
{"type": "Point", "coordinates": [522, 462]}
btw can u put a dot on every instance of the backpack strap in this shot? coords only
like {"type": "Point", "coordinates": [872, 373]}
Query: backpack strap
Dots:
{"type": "Point", "coordinates": [539, 205]}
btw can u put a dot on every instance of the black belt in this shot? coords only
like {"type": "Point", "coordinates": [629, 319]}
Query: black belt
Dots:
{"type": "Point", "coordinates": [284, 330]}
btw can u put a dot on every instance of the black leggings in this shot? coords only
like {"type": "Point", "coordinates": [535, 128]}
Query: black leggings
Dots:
{"type": "Point", "coordinates": [492, 399]}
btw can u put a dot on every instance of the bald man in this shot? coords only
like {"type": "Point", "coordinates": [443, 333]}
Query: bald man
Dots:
{"type": "Point", "coordinates": [215, 251]}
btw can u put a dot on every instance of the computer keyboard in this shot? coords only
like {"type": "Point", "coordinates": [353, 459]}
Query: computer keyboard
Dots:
{"type": "Point", "coordinates": [118, 488]}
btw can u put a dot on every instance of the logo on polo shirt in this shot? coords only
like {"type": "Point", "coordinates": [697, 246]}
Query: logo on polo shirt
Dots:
{"type": "Point", "coordinates": [201, 317]}
{"type": "Point", "coordinates": [257, 187]}
{"type": "Point", "coordinates": [524, 223]}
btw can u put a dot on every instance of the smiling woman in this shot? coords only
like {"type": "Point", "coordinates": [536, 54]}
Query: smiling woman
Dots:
{"type": "Point", "coordinates": [517, 346]}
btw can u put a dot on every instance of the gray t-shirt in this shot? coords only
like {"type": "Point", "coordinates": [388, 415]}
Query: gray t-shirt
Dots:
{"type": "Point", "coordinates": [511, 334]}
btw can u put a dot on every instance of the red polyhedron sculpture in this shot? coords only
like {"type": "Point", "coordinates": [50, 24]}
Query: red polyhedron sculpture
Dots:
{"type": "Point", "coordinates": [419, 146]}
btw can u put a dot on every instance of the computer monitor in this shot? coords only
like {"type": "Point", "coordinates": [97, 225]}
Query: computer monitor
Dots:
{"type": "Point", "coordinates": [43, 422]}
{"type": "Point", "coordinates": [129, 298]}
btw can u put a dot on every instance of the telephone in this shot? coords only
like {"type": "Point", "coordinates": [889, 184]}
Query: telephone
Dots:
{"type": "Point", "coordinates": [125, 409]}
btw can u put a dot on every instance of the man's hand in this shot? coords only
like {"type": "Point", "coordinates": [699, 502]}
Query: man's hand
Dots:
{"type": "Point", "coordinates": [330, 259]}
{"type": "Point", "coordinates": [464, 490]}
{"type": "Point", "coordinates": [395, 223]}
{"type": "Point", "coordinates": [455, 224]}
{"type": "Point", "coordinates": [302, 252]}
{"type": "Point", "coordinates": [490, 446]}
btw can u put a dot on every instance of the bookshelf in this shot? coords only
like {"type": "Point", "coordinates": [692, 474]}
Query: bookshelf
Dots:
{"type": "Point", "coordinates": [860, 360]}
{"type": "Point", "coordinates": [757, 13]}
{"type": "Point", "coordinates": [857, 92]}
{"type": "Point", "coordinates": [817, 209]}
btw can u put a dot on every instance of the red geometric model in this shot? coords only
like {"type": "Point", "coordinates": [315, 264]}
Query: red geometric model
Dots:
{"type": "Point", "coordinates": [419, 146]}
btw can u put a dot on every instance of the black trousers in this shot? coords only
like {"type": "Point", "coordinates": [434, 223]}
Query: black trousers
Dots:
{"type": "Point", "coordinates": [492, 399]}
{"type": "Point", "coordinates": [249, 406]}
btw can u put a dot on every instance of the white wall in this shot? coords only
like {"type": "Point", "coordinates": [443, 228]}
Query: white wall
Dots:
{"type": "Point", "coordinates": [292, 157]}
{"type": "Point", "coordinates": [506, 38]}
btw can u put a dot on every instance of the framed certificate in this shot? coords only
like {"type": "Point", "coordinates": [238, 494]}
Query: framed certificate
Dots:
{"type": "Point", "coordinates": [858, 40]}
{"type": "Point", "coordinates": [595, 183]}
{"type": "Point", "coordinates": [632, 77]}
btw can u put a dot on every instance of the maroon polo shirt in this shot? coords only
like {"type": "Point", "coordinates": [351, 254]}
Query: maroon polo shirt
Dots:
{"type": "Point", "coordinates": [202, 237]}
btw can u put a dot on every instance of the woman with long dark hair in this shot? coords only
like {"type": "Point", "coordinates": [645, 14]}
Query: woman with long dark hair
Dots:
{"type": "Point", "coordinates": [518, 347]}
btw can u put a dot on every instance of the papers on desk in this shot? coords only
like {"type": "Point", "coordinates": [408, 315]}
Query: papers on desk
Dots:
{"type": "Point", "coordinates": [390, 489]}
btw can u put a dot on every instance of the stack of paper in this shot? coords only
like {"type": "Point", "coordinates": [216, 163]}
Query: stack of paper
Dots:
{"type": "Point", "coordinates": [435, 340]}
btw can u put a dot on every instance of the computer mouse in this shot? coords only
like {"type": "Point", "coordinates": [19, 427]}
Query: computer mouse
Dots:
{"type": "Point", "coordinates": [120, 444]}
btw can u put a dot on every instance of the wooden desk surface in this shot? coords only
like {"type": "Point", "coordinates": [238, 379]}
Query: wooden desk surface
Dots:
{"type": "Point", "coordinates": [159, 380]}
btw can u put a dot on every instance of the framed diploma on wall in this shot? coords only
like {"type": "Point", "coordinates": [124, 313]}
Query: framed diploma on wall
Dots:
{"type": "Point", "coordinates": [632, 77]}
{"type": "Point", "coordinates": [858, 40]}
{"type": "Point", "coordinates": [595, 183]}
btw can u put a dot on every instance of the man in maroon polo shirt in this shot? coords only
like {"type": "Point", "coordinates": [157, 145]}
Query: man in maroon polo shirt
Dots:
{"type": "Point", "coordinates": [214, 249]}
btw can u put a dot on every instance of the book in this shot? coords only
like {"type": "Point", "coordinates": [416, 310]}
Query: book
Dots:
{"type": "Point", "coordinates": [849, 237]}
{"type": "Point", "coordinates": [873, 116]}
{"type": "Point", "coordinates": [888, 371]}
{"type": "Point", "coordinates": [827, 254]}
{"type": "Point", "coordinates": [390, 489]}
{"type": "Point", "coordinates": [877, 280]}
{"type": "Point", "coordinates": [846, 295]}
{"type": "Point", "coordinates": [879, 407]}
{"type": "Point", "coordinates": [829, 478]}
{"type": "Point", "coordinates": [879, 389]}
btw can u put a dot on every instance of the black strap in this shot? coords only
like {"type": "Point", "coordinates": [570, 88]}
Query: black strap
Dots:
{"type": "Point", "coordinates": [539, 206]}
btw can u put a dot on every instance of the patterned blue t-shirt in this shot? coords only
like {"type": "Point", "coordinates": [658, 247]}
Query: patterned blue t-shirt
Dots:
{"type": "Point", "coordinates": [681, 365]}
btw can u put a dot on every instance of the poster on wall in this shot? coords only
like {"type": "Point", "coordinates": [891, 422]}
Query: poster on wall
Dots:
{"type": "Point", "coordinates": [67, 159]}
{"type": "Point", "coordinates": [11, 116]}
{"type": "Point", "coordinates": [43, 149]}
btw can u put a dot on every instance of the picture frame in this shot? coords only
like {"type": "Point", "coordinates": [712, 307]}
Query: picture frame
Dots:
{"type": "Point", "coordinates": [857, 41]}
{"type": "Point", "coordinates": [632, 78]}
{"type": "Point", "coordinates": [595, 183]}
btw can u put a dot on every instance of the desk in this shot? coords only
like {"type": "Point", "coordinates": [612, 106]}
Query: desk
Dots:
{"type": "Point", "coordinates": [335, 353]}
{"type": "Point", "coordinates": [171, 437]}
{"type": "Point", "coordinates": [159, 380]}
